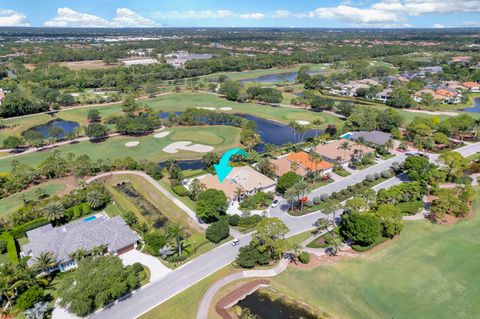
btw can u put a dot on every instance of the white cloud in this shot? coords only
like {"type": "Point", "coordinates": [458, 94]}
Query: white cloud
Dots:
{"type": "Point", "coordinates": [124, 17]}
{"type": "Point", "coordinates": [471, 23]}
{"type": "Point", "coordinates": [352, 14]}
{"type": "Point", "coordinates": [253, 16]}
{"type": "Point", "coordinates": [418, 7]}
{"type": "Point", "coordinates": [128, 18]}
{"type": "Point", "coordinates": [12, 18]}
{"type": "Point", "coordinates": [194, 14]}
{"type": "Point", "coordinates": [438, 26]}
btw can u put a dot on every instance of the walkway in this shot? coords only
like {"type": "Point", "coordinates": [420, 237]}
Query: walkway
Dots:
{"type": "Point", "coordinates": [157, 269]}
{"type": "Point", "coordinates": [160, 188]}
{"type": "Point", "coordinates": [204, 306]}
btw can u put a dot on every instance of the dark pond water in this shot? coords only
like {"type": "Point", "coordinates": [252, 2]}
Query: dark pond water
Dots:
{"type": "Point", "coordinates": [187, 164]}
{"type": "Point", "coordinates": [276, 78]}
{"type": "Point", "coordinates": [67, 126]}
{"type": "Point", "coordinates": [265, 308]}
{"type": "Point", "coordinates": [475, 108]}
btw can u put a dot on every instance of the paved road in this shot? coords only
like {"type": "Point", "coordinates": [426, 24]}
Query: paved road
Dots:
{"type": "Point", "coordinates": [182, 278]}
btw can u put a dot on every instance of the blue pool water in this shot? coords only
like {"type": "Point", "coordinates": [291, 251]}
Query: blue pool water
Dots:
{"type": "Point", "coordinates": [90, 218]}
{"type": "Point", "coordinates": [347, 136]}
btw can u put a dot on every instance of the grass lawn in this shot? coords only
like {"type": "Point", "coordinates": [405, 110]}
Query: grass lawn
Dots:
{"type": "Point", "coordinates": [299, 238]}
{"type": "Point", "coordinates": [13, 202]}
{"type": "Point", "coordinates": [181, 102]}
{"type": "Point", "coordinates": [430, 272]}
{"type": "Point", "coordinates": [165, 205]}
{"type": "Point", "coordinates": [150, 148]}
{"type": "Point", "coordinates": [185, 304]}
{"type": "Point", "coordinates": [17, 126]}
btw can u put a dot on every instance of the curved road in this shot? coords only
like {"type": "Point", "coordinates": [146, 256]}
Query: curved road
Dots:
{"type": "Point", "coordinates": [147, 298]}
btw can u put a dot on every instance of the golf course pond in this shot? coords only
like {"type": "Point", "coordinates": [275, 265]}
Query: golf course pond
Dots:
{"type": "Point", "coordinates": [66, 126]}
{"type": "Point", "coordinates": [289, 77]}
{"type": "Point", "coordinates": [475, 108]}
{"type": "Point", "coordinates": [268, 306]}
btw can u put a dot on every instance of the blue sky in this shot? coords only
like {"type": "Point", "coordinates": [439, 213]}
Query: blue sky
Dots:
{"type": "Point", "coordinates": [241, 13]}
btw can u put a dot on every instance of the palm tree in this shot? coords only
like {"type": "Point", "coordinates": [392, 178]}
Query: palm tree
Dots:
{"type": "Point", "coordinates": [238, 194]}
{"type": "Point", "coordinates": [142, 229]}
{"type": "Point", "coordinates": [389, 144]}
{"type": "Point", "coordinates": [301, 188]}
{"type": "Point", "coordinates": [331, 208]}
{"type": "Point", "coordinates": [95, 199]}
{"type": "Point", "coordinates": [176, 231]}
{"type": "Point", "coordinates": [99, 250]}
{"type": "Point", "coordinates": [345, 146]}
{"type": "Point", "coordinates": [296, 251]}
{"type": "Point", "coordinates": [317, 124]}
{"type": "Point", "coordinates": [290, 195]}
{"type": "Point", "coordinates": [316, 159]}
{"type": "Point", "coordinates": [294, 166]}
{"type": "Point", "coordinates": [54, 211]}
{"type": "Point", "coordinates": [78, 254]}
{"type": "Point", "coordinates": [336, 244]}
{"type": "Point", "coordinates": [45, 261]}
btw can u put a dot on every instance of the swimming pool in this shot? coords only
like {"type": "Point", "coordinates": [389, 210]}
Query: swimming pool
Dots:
{"type": "Point", "coordinates": [90, 218]}
{"type": "Point", "coordinates": [346, 135]}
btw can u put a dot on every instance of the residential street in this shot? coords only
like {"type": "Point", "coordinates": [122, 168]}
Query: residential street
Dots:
{"type": "Point", "coordinates": [180, 279]}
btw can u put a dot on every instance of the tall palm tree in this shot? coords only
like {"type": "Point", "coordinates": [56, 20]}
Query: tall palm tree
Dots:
{"type": "Point", "coordinates": [95, 199]}
{"type": "Point", "coordinates": [176, 231]}
{"type": "Point", "coordinates": [331, 208]}
{"type": "Point", "coordinates": [316, 159]}
{"type": "Point", "coordinates": [345, 146]}
{"type": "Point", "coordinates": [294, 166]}
{"type": "Point", "coordinates": [302, 189]}
{"type": "Point", "coordinates": [317, 123]}
{"type": "Point", "coordinates": [45, 261]}
{"type": "Point", "coordinates": [142, 229]}
{"type": "Point", "coordinates": [54, 211]}
{"type": "Point", "coordinates": [290, 195]}
{"type": "Point", "coordinates": [389, 144]}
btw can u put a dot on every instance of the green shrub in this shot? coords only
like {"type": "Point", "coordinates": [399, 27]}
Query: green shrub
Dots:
{"type": "Point", "coordinates": [304, 257]}
{"type": "Point", "coordinates": [137, 267]}
{"type": "Point", "coordinates": [29, 298]}
{"type": "Point", "coordinates": [410, 208]}
{"type": "Point", "coordinates": [217, 232]}
{"type": "Point", "coordinates": [3, 246]}
{"type": "Point", "coordinates": [20, 230]}
{"type": "Point", "coordinates": [249, 220]}
{"type": "Point", "coordinates": [377, 242]}
{"type": "Point", "coordinates": [12, 252]}
{"type": "Point", "coordinates": [176, 259]}
{"type": "Point", "coordinates": [233, 220]}
{"type": "Point", "coordinates": [180, 190]}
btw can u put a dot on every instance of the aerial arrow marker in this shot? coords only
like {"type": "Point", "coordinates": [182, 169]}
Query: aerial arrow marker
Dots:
{"type": "Point", "coordinates": [222, 168]}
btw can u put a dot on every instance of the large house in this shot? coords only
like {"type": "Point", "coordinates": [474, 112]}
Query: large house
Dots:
{"type": "Point", "coordinates": [241, 180]}
{"type": "Point", "coordinates": [334, 151]}
{"type": "Point", "coordinates": [472, 86]}
{"type": "Point", "coordinates": [373, 137]}
{"type": "Point", "coordinates": [304, 165]}
{"type": "Point", "coordinates": [87, 234]}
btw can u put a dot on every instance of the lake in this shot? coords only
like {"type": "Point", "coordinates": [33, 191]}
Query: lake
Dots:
{"type": "Point", "coordinates": [277, 77]}
{"type": "Point", "coordinates": [265, 308]}
{"type": "Point", "coordinates": [67, 126]}
{"type": "Point", "coordinates": [475, 108]}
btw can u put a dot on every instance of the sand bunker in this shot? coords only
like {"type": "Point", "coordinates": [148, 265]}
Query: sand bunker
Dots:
{"type": "Point", "coordinates": [303, 122]}
{"type": "Point", "coordinates": [206, 108]}
{"type": "Point", "coordinates": [132, 144]}
{"type": "Point", "coordinates": [225, 108]}
{"type": "Point", "coordinates": [187, 146]}
{"type": "Point", "coordinates": [161, 134]}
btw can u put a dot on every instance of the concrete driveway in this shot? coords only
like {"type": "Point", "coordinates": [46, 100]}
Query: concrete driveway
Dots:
{"type": "Point", "coordinates": [157, 269]}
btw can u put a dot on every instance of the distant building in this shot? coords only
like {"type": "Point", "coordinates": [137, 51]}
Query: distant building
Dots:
{"type": "Point", "coordinates": [383, 96]}
{"type": "Point", "coordinates": [130, 62]}
{"type": "Point", "coordinates": [472, 86]}
{"type": "Point", "coordinates": [431, 70]}
{"type": "Point", "coordinates": [178, 59]}
{"type": "Point", "coordinates": [87, 234]}
{"type": "Point", "coordinates": [461, 58]}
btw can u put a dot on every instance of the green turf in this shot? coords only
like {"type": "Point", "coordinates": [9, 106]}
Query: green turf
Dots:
{"type": "Point", "coordinates": [13, 202]}
{"type": "Point", "coordinates": [430, 272]}
{"type": "Point", "coordinates": [150, 148]}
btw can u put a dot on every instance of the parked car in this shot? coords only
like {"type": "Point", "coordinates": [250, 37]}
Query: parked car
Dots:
{"type": "Point", "coordinates": [235, 242]}
{"type": "Point", "coordinates": [275, 203]}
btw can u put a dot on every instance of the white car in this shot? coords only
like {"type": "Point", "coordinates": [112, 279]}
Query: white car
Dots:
{"type": "Point", "coordinates": [275, 203]}
{"type": "Point", "coordinates": [235, 242]}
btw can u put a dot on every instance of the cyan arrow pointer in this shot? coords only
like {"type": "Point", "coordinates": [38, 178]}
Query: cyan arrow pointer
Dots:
{"type": "Point", "coordinates": [222, 168]}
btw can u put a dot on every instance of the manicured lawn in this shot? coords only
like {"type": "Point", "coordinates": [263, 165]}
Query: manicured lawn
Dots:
{"type": "Point", "coordinates": [299, 238]}
{"type": "Point", "coordinates": [430, 272]}
{"type": "Point", "coordinates": [11, 203]}
{"type": "Point", "coordinates": [17, 126]}
{"type": "Point", "coordinates": [185, 304]}
{"type": "Point", "coordinates": [181, 102]}
{"type": "Point", "coordinates": [150, 148]}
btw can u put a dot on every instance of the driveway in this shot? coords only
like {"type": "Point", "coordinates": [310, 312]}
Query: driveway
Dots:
{"type": "Point", "coordinates": [157, 269]}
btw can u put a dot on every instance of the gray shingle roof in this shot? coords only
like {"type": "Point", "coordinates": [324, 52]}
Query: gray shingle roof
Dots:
{"type": "Point", "coordinates": [374, 137]}
{"type": "Point", "coordinates": [113, 233]}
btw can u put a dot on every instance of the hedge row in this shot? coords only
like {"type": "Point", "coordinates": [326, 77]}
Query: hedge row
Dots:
{"type": "Point", "coordinates": [377, 242]}
{"type": "Point", "coordinates": [78, 211]}
{"type": "Point", "coordinates": [12, 252]}
{"type": "Point", "coordinates": [20, 230]}
{"type": "Point", "coordinates": [410, 208]}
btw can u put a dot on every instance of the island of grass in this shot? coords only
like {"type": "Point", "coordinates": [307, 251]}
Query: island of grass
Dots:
{"type": "Point", "coordinates": [149, 147]}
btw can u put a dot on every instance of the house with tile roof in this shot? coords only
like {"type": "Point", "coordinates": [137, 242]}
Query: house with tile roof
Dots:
{"type": "Point", "coordinates": [336, 154]}
{"type": "Point", "coordinates": [98, 230]}
{"type": "Point", "coordinates": [472, 86]}
{"type": "Point", "coordinates": [305, 165]}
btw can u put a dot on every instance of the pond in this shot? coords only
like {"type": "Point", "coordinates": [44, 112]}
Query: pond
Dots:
{"type": "Point", "coordinates": [277, 77]}
{"type": "Point", "coordinates": [262, 306]}
{"type": "Point", "coordinates": [67, 126]}
{"type": "Point", "coordinates": [476, 106]}
{"type": "Point", "coordinates": [187, 164]}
